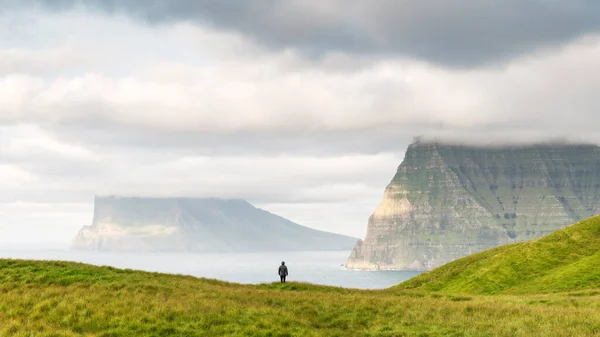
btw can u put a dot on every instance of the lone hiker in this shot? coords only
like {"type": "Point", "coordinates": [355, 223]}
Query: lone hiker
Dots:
{"type": "Point", "coordinates": [283, 272]}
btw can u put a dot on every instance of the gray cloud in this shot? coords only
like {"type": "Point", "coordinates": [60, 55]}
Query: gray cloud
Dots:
{"type": "Point", "coordinates": [370, 141]}
{"type": "Point", "coordinates": [38, 168]}
{"type": "Point", "coordinates": [182, 110]}
{"type": "Point", "coordinates": [261, 106]}
{"type": "Point", "coordinates": [460, 33]}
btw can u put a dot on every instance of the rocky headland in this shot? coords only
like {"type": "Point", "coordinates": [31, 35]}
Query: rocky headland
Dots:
{"type": "Point", "coordinates": [196, 225]}
{"type": "Point", "coordinates": [447, 201]}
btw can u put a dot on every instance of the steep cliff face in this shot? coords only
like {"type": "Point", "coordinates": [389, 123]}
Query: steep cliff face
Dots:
{"type": "Point", "coordinates": [448, 201]}
{"type": "Point", "coordinates": [196, 225]}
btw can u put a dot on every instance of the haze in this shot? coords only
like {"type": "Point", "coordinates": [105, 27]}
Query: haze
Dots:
{"type": "Point", "coordinates": [303, 108]}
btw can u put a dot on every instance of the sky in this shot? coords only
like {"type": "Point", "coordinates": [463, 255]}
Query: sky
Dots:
{"type": "Point", "coordinates": [302, 107]}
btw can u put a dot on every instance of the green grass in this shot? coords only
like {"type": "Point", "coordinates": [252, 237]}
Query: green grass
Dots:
{"type": "Point", "coordinates": [46, 298]}
{"type": "Point", "coordinates": [547, 287]}
{"type": "Point", "coordinates": [566, 260]}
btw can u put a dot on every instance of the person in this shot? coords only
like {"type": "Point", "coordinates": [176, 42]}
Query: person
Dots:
{"type": "Point", "coordinates": [283, 272]}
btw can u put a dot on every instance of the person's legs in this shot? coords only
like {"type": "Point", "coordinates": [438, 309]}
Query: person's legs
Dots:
{"type": "Point", "coordinates": [282, 278]}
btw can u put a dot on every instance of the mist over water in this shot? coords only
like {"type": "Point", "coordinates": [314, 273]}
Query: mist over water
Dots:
{"type": "Point", "coordinates": [323, 268]}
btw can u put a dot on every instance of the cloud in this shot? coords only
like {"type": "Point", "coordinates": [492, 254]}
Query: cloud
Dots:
{"type": "Point", "coordinates": [165, 174]}
{"type": "Point", "coordinates": [530, 98]}
{"type": "Point", "coordinates": [180, 109]}
{"type": "Point", "coordinates": [41, 223]}
{"type": "Point", "coordinates": [243, 98]}
{"type": "Point", "coordinates": [54, 179]}
{"type": "Point", "coordinates": [13, 177]}
{"type": "Point", "coordinates": [32, 140]}
{"type": "Point", "coordinates": [18, 61]}
{"type": "Point", "coordinates": [458, 33]}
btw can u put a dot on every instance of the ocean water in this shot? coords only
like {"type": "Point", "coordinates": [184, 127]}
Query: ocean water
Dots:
{"type": "Point", "coordinates": [324, 268]}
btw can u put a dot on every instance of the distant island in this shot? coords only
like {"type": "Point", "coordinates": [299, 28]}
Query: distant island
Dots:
{"type": "Point", "coordinates": [449, 200]}
{"type": "Point", "coordinates": [134, 224]}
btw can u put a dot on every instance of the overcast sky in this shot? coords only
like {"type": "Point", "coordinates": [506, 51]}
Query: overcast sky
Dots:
{"type": "Point", "coordinates": [302, 107]}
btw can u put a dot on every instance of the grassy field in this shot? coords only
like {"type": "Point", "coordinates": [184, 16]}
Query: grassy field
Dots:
{"type": "Point", "coordinates": [546, 287]}
{"type": "Point", "coordinates": [68, 299]}
{"type": "Point", "coordinates": [566, 260]}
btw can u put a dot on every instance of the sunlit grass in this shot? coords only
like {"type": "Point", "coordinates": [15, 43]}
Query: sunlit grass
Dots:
{"type": "Point", "coordinates": [568, 259]}
{"type": "Point", "coordinates": [70, 299]}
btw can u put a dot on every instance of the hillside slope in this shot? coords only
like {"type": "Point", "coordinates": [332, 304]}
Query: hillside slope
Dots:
{"type": "Point", "coordinates": [197, 225]}
{"type": "Point", "coordinates": [566, 260]}
{"type": "Point", "coordinates": [447, 201]}
{"type": "Point", "coordinates": [51, 299]}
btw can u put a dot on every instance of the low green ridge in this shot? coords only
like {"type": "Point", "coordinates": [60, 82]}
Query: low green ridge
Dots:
{"type": "Point", "coordinates": [50, 298]}
{"type": "Point", "coordinates": [566, 260]}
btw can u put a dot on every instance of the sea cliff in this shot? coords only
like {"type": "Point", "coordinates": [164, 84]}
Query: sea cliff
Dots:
{"type": "Point", "coordinates": [447, 201]}
{"type": "Point", "coordinates": [196, 225]}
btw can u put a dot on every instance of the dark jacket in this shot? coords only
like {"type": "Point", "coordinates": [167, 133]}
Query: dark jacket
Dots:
{"type": "Point", "coordinates": [283, 270]}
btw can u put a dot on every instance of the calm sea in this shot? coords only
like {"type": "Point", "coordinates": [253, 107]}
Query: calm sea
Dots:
{"type": "Point", "coordinates": [315, 267]}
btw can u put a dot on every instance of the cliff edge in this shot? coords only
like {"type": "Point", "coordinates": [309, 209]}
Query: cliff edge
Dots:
{"type": "Point", "coordinates": [196, 225]}
{"type": "Point", "coordinates": [447, 201]}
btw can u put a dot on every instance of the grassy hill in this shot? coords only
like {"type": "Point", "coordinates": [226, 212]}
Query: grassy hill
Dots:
{"type": "Point", "coordinates": [46, 298]}
{"type": "Point", "coordinates": [565, 260]}
{"type": "Point", "coordinates": [546, 287]}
